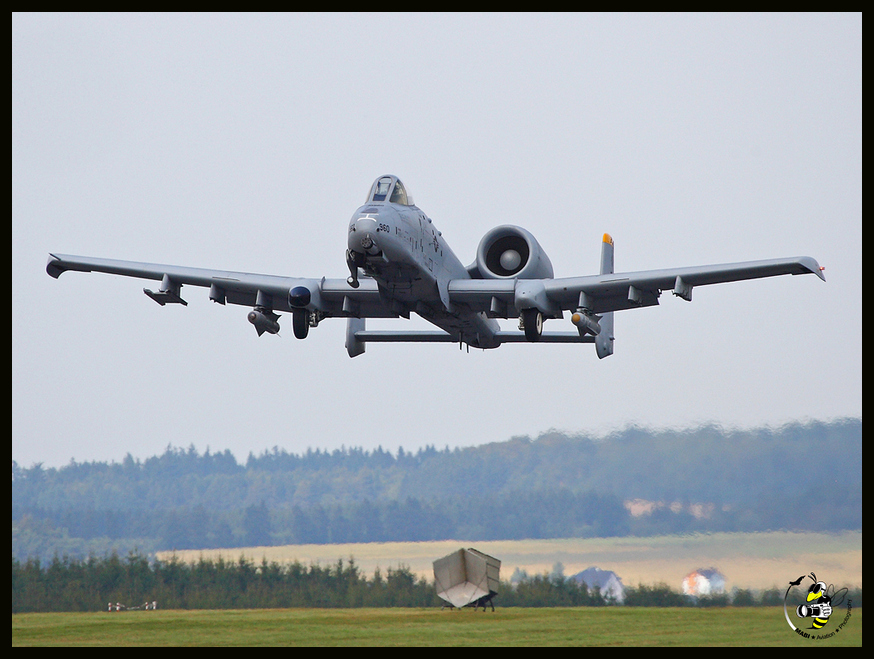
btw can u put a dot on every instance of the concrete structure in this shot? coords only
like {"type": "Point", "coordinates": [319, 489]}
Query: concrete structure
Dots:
{"type": "Point", "coordinates": [467, 577]}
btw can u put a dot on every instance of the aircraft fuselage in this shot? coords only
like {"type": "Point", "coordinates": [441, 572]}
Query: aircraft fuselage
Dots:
{"type": "Point", "coordinates": [399, 246]}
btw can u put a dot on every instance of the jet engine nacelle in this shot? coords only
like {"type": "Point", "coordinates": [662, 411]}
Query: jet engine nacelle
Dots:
{"type": "Point", "coordinates": [512, 252]}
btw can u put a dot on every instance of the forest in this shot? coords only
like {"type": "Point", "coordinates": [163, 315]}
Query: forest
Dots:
{"type": "Point", "coordinates": [802, 476]}
{"type": "Point", "coordinates": [98, 584]}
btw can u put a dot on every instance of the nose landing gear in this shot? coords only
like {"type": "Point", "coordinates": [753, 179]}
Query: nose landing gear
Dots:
{"type": "Point", "coordinates": [354, 260]}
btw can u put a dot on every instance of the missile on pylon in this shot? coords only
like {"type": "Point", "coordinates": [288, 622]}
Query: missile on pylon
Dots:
{"type": "Point", "coordinates": [586, 323]}
{"type": "Point", "coordinates": [264, 321]}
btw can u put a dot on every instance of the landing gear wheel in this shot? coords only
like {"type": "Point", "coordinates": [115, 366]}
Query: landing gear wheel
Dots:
{"type": "Point", "coordinates": [300, 323]}
{"type": "Point", "coordinates": [354, 260]}
{"type": "Point", "coordinates": [532, 319]}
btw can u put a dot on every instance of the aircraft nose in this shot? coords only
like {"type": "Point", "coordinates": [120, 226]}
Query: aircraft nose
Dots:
{"type": "Point", "coordinates": [362, 236]}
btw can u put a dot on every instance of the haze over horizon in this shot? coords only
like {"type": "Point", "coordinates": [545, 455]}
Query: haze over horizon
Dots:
{"type": "Point", "coordinates": [605, 435]}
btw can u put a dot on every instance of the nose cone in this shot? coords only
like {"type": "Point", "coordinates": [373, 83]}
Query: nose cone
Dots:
{"type": "Point", "coordinates": [362, 235]}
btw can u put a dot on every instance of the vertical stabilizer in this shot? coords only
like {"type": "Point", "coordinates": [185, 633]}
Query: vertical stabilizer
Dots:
{"type": "Point", "coordinates": [604, 339]}
{"type": "Point", "coordinates": [353, 346]}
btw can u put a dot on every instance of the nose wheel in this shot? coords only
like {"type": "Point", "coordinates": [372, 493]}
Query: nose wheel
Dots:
{"type": "Point", "coordinates": [354, 260]}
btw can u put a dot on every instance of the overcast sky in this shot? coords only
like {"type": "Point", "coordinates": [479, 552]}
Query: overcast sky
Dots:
{"type": "Point", "coordinates": [245, 142]}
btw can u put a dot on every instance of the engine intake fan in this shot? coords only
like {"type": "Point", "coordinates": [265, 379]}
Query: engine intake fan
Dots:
{"type": "Point", "coordinates": [510, 251]}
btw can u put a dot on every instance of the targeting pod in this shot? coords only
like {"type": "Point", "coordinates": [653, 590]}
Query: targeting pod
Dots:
{"type": "Point", "coordinates": [586, 323]}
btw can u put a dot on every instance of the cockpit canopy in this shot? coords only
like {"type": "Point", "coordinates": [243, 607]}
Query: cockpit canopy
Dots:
{"type": "Point", "coordinates": [389, 188]}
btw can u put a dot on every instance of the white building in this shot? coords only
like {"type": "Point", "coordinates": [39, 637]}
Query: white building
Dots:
{"type": "Point", "coordinates": [609, 582]}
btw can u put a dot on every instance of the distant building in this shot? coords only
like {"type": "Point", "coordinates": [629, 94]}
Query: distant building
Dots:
{"type": "Point", "coordinates": [704, 581]}
{"type": "Point", "coordinates": [608, 582]}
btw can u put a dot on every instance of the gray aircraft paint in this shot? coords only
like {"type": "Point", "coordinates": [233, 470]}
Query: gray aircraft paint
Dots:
{"type": "Point", "coordinates": [409, 268]}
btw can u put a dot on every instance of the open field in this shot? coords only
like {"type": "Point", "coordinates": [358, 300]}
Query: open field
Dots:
{"type": "Point", "coordinates": [424, 627]}
{"type": "Point", "coordinates": [753, 561]}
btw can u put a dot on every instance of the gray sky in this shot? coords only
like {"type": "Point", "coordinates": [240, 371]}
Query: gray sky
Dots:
{"type": "Point", "coordinates": [246, 142]}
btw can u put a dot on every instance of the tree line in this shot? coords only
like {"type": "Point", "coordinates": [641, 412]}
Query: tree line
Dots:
{"type": "Point", "coordinates": [95, 584]}
{"type": "Point", "coordinates": [557, 485]}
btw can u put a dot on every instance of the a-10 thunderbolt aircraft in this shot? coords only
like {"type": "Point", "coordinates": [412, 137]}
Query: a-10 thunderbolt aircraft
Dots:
{"type": "Point", "coordinates": [408, 267]}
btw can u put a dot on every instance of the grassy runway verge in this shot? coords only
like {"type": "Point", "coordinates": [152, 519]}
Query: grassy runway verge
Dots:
{"type": "Point", "coordinates": [425, 627]}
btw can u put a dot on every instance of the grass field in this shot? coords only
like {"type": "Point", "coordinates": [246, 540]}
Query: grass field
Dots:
{"type": "Point", "coordinates": [425, 627]}
{"type": "Point", "coordinates": [753, 561]}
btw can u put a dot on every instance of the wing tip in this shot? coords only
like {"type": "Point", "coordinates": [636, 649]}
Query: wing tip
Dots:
{"type": "Point", "coordinates": [812, 266]}
{"type": "Point", "coordinates": [54, 266]}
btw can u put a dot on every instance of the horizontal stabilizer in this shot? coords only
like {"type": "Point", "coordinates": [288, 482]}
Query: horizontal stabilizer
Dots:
{"type": "Point", "coordinates": [404, 336]}
{"type": "Point", "coordinates": [425, 336]}
{"type": "Point", "coordinates": [546, 337]}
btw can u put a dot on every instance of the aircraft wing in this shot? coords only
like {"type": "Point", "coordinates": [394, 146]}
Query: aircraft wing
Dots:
{"type": "Point", "coordinates": [615, 291]}
{"type": "Point", "coordinates": [333, 297]}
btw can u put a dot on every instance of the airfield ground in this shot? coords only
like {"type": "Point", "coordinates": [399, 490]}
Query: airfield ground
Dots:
{"type": "Point", "coordinates": [753, 561]}
{"type": "Point", "coordinates": [763, 626]}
